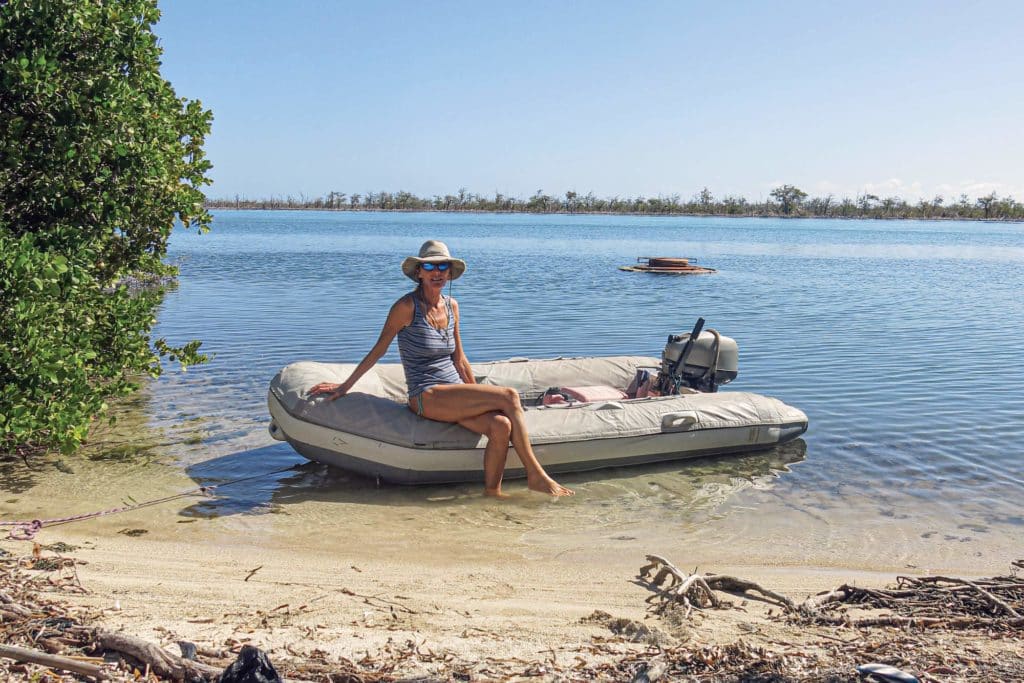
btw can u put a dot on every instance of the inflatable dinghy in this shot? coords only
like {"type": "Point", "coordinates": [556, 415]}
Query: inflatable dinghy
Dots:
{"type": "Point", "coordinates": [582, 414]}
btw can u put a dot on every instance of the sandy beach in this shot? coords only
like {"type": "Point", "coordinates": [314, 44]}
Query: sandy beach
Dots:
{"type": "Point", "coordinates": [354, 600]}
{"type": "Point", "coordinates": [436, 604]}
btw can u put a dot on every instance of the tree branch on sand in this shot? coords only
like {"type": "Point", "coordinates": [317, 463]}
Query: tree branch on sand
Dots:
{"type": "Point", "coordinates": [697, 590]}
{"type": "Point", "coordinates": [23, 654]}
{"type": "Point", "coordinates": [924, 601]}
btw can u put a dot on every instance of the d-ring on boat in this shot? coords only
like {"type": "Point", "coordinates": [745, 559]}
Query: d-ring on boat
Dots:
{"type": "Point", "coordinates": [582, 414]}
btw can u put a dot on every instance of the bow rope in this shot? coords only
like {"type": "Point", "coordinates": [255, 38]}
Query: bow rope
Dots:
{"type": "Point", "coordinates": [26, 530]}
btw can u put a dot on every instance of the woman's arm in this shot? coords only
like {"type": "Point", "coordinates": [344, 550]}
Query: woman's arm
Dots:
{"type": "Point", "coordinates": [399, 316]}
{"type": "Point", "coordinates": [459, 357]}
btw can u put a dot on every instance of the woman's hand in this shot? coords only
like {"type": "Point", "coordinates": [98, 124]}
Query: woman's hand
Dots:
{"type": "Point", "coordinates": [333, 391]}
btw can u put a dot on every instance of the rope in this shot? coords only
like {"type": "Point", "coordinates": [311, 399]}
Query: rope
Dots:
{"type": "Point", "coordinates": [26, 530]}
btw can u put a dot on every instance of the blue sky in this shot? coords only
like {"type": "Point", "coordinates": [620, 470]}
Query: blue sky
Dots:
{"type": "Point", "coordinates": [908, 98]}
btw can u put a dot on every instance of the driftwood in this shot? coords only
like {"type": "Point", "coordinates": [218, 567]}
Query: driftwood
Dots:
{"type": "Point", "coordinates": [921, 622]}
{"type": "Point", "coordinates": [976, 586]}
{"type": "Point", "coordinates": [22, 654]}
{"type": "Point", "coordinates": [697, 590]}
{"type": "Point", "coordinates": [922, 601]}
{"type": "Point", "coordinates": [941, 601]}
{"type": "Point", "coordinates": [160, 661]}
{"type": "Point", "coordinates": [29, 623]}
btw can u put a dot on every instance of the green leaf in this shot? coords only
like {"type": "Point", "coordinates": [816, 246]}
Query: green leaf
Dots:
{"type": "Point", "coordinates": [86, 221]}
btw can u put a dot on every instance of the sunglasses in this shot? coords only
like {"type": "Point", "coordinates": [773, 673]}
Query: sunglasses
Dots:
{"type": "Point", "coordinates": [431, 266]}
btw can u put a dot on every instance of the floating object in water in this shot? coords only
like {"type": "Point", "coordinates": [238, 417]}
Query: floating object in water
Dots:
{"type": "Point", "coordinates": [667, 264]}
{"type": "Point", "coordinates": [679, 414]}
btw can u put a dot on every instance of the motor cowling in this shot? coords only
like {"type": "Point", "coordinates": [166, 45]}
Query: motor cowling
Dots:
{"type": "Point", "coordinates": [712, 359]}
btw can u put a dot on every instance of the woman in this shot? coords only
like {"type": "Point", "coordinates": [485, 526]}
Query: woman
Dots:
{"type": "Point", "coordinates": [438, 375]}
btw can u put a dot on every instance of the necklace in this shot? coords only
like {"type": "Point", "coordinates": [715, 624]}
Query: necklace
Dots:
{"type": "Point", "coordinates": [435, 323]}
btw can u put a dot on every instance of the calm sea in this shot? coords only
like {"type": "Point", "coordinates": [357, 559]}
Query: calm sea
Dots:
{"type": "Point", "coordinates": [902, 341]}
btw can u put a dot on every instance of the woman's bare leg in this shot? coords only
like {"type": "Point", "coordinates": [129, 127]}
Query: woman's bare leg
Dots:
{"type": "Point", "coordinates": [457, 402]}
{"type": "Point", "coordinates": [497, 428]}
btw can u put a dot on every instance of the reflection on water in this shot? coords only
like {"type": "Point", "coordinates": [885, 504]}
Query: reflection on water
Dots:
{"type": "Point", "coordinates": [675, 488]}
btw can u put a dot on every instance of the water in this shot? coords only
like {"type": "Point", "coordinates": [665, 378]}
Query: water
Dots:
{"type": "Point", "coordinates": [900, 340]}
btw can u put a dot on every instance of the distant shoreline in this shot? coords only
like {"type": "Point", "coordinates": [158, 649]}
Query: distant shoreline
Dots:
{"type": "Point", "coordinates": [232, 207]}
{"type": "Point", "coordinates": [785, 201]}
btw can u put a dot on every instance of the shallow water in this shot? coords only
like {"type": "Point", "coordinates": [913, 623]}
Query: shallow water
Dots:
{"type": "Point", "coordinates": [900, 340]}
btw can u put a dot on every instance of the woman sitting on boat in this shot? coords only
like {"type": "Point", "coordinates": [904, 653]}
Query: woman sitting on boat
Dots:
{"type": "Point", "coordinates": [438, 374]}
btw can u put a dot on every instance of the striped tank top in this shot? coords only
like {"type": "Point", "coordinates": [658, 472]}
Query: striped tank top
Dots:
{"type": "Point", "coordinates": [427, 351]}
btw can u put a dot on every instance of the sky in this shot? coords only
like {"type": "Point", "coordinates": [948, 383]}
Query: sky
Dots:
{"type": "Point", "coordinates": [911, 98]}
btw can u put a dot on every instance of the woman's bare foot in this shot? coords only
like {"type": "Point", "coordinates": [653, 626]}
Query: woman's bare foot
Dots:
{"type": "Point", "coordinates": [549, 486]}
{"type": "Point", "coordinates": [495, 493]}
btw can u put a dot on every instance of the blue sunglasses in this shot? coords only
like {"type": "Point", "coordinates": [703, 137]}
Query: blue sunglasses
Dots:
{"type": "Point", "coordinates": [440, 266]}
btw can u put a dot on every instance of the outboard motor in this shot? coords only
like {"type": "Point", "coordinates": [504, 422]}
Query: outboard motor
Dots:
{"type": "Point", "coordinates": [697, 360]}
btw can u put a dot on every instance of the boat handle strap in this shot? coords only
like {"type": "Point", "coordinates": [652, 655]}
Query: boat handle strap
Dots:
{"type": "Point", "coordinates": [678, 421]}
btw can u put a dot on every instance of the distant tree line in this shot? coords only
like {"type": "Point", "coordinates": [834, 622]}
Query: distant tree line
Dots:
{"type": "Point", "coordinates": [786, 200]}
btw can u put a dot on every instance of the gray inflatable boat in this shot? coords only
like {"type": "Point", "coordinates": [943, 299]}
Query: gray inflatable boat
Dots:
{"type": "Point", "coordinates": [371, 430]}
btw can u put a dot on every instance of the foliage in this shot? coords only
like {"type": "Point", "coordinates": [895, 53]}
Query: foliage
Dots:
{"type": "Point", "coordinates": [788, 197]}
{"type": "Point", "coordinates": [98, 160]}
{"type": "Point", "coordinates": [789, 201]}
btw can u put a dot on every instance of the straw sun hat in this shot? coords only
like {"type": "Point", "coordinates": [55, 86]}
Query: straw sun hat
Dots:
{"type": "Point", "coordinates": [432, 251]}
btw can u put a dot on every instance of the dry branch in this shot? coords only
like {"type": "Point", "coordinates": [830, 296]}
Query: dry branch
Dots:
{"type": "Point", "coordinates": [925, 601]}
{"type": "Point", "coordinates": [21, 654]}
{"type": "Point", "coordinates": [30, 622]}
{"type": "Point", "coordinates": [697, 590]}
{"type": "Point", "coordinates": [989, 597]}
{"type": "Point", "coordinates": [160, 661]}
